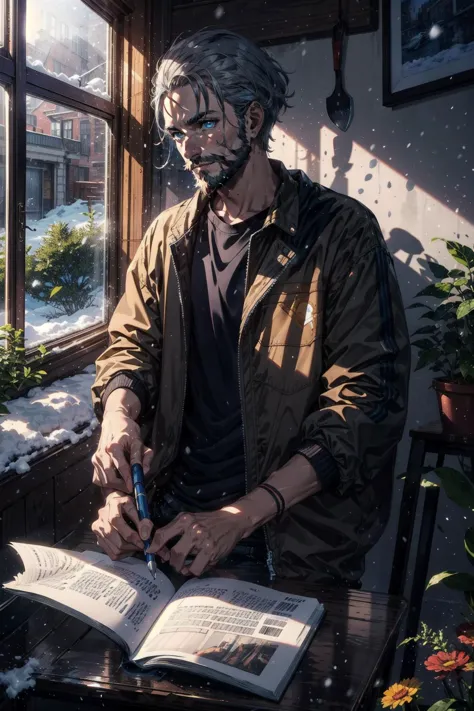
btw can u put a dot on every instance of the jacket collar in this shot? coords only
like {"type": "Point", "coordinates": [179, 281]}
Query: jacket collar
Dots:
{"type": "Point", "coordinates": [283, 212]}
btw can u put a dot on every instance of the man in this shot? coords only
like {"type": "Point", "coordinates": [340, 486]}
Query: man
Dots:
{"type": "Point", "coordinates": [261, 337]}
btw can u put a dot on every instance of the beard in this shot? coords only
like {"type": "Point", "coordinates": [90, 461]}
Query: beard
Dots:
{"type": "Point", "coordinates": [229, 168]}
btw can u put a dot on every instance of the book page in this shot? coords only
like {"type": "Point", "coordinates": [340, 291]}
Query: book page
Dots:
{"type": "Point", "coordinates": [245, 631]}
{"type": "Point", "coordinates": [118, 595]}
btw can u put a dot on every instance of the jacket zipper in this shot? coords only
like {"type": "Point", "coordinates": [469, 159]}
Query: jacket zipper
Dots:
{"type": "Point", "coordinates": [185, 357]}
{"type": "Point", "coordinates": [269, 559]}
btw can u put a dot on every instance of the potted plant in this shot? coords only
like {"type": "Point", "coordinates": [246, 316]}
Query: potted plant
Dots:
{"type": "Point", "coordinates": [451, 662]}
{"type": "Point", "coordinates": [447, 346]}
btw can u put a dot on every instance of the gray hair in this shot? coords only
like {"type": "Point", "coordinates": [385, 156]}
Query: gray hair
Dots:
{"type": "Point", "coordinates": [235, 69]}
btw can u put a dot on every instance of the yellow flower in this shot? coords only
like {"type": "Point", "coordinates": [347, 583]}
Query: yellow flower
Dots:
{"type": "Point", "coordinates": [401, 693]}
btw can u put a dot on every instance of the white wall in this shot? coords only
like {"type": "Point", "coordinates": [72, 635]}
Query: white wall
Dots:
{"type": "Point", "coordinates": [414, 168]}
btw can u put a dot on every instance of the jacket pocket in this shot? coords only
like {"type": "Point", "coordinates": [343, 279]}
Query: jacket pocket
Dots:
{"type": "Point", "coordinates": [287, 341]}
{"type": "Point", "coordinates": [291, 320]}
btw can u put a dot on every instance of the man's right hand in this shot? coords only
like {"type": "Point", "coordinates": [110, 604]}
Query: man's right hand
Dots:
{"type": "Point", "coordinates": [114, 535]}
{"type": "Point", "coordinates": [120, 444]}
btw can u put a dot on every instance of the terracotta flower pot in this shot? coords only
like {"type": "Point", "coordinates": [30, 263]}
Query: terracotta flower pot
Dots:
{"type": "Point", "coordinates": [456, 407]}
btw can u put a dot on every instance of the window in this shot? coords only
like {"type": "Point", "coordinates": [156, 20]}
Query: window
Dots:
{"type": "Point", "coordinates": [99, 137]}
{"type": "Point", "coordinates": [83, 48]}
{"type": "Point", "coordinates": [67, 128]}
{"type": "Point", "coordinates": [52, 279]}
{"type": "Point", "coordinates": [2, 23]}
{"type": "Point", "coordinates": [67, 245]}
{"type": "Point", "coordinates": [85, 134]}
{"type": "Point", "coordinates": [85, 60]}
{"type": "Point", "coordinates": [3, 223]}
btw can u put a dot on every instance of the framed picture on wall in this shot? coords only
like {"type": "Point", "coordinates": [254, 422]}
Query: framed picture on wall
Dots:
{"type": "Point", "coordinates": [428, 47]}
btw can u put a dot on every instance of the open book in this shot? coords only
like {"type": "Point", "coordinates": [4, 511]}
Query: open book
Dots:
{"type": "Point", "coordinates": [247, 635]}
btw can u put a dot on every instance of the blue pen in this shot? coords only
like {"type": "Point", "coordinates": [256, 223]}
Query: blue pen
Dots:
{"type": "Point", "coordinates": [138, 479]}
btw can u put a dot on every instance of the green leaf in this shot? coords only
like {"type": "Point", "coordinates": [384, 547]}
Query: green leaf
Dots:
{"type": "Point", "coordinates": [438, 290]}
{"type": "Point", "coordinates": [469, 597]}
{"type": "Point", "coordinates": [461, 282]}
{"type": "Point", "coordinates": [418, 305]}
{"type": "Point", "coordinates": [427, 357]}
{"type": "Point", "coordinates": [423, 343]}
{"type": "Point", "coordinates": [469, 544]}
{"type": "Point", "coordinates": [443, 311]}
{"type": "Point", "coordinates": [454, 273]}
{"type": "Point", "coordinates": [439, 577]}
{"type": "Point", "coordinates": [460, 581]}
{"type": "Point", "coordinates": [54, 291]}
{"type": "Point", "coordinates": [438, 270]}
{"type": "Point", "coordinates": [466, 366]}
{"type": "Point", "coordinates": [452, 338]}
{"type": "Point", "coordinates": [457, 486]}
{"type": "Point", "coordinates": [445, 704]}
{"type": "Point", "coordinates": [453, 580]}
{"type": "Point", "coordinates": [462, 254]}
{"type": "Point", "coordinates": [465, 308]}
{"type": "Point", "coordinates": [426, 484]}
{"type": "Point", "coordinates": [425, 329]}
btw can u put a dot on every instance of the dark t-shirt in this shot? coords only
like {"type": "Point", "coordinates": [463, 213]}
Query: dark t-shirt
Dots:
{"type": "Point", "coordinates": [209, 471]}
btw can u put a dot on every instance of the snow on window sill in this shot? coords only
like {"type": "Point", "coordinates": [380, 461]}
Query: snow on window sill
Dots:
{"type": "Point", "coordinates": [95, 86]}
{"type": "Point", "coordinates": [44, 418]}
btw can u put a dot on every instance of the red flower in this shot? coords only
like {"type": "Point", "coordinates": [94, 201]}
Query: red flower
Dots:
{"type": "Point", "coordinates": [446, 662]}
{"type": "Point", "coordinates": [465, 633]}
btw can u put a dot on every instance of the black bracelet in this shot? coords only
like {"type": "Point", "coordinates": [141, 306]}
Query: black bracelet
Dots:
{"type": "Point", "coordinates": [277, 497]}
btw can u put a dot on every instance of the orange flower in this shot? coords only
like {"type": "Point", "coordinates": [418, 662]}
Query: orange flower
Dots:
{"type": "Point", "coordinates": [401, 693]}
{"type": "Point", "coordinates": [446, 662]}
{"type": "Point", "coordinates": [465, 633]}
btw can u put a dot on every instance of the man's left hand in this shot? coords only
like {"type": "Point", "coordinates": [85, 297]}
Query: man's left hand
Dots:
{"type": "Point", "coordinates": [208, 536]}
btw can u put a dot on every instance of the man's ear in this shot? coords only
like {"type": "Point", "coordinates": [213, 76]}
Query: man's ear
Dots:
{"type": "Point", "coordinates": [254, 120]}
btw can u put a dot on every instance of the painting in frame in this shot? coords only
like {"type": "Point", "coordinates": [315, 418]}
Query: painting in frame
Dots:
{"type": "Point", "coordinates": [428, 47]}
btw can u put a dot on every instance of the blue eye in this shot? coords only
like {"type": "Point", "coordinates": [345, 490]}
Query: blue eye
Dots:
{"type": "Point", "coordinates": [206, 126]}
{"type": "Point", "coordinates": [177, 135]}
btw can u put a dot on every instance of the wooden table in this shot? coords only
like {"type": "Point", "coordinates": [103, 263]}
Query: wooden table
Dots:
{"type": "Point", "coordinates": [81, 668]}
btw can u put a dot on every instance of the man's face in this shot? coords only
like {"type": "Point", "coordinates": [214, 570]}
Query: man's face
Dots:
{"type": "Point", "coordinates": [214, 149]}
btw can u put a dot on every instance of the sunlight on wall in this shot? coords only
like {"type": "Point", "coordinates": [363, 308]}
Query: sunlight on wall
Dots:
{"type": "Point", "coordinates": [293, 154]}
{"type": "Point", "coordinates": [409, 217]}
{"type": "Point", "coordinates": [395, 200]}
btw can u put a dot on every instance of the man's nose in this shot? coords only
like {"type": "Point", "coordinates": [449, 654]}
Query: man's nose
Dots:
{"type": "Point", "coordinates": [191, 150]}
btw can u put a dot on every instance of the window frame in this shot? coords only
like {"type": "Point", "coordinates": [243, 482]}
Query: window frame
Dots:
{"type": "Point", "coordinates": [67, 127]}
{"type": "Point", "coordinates": [85, 136]}
{"type": "Point", "coordinates": [19, 81]}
